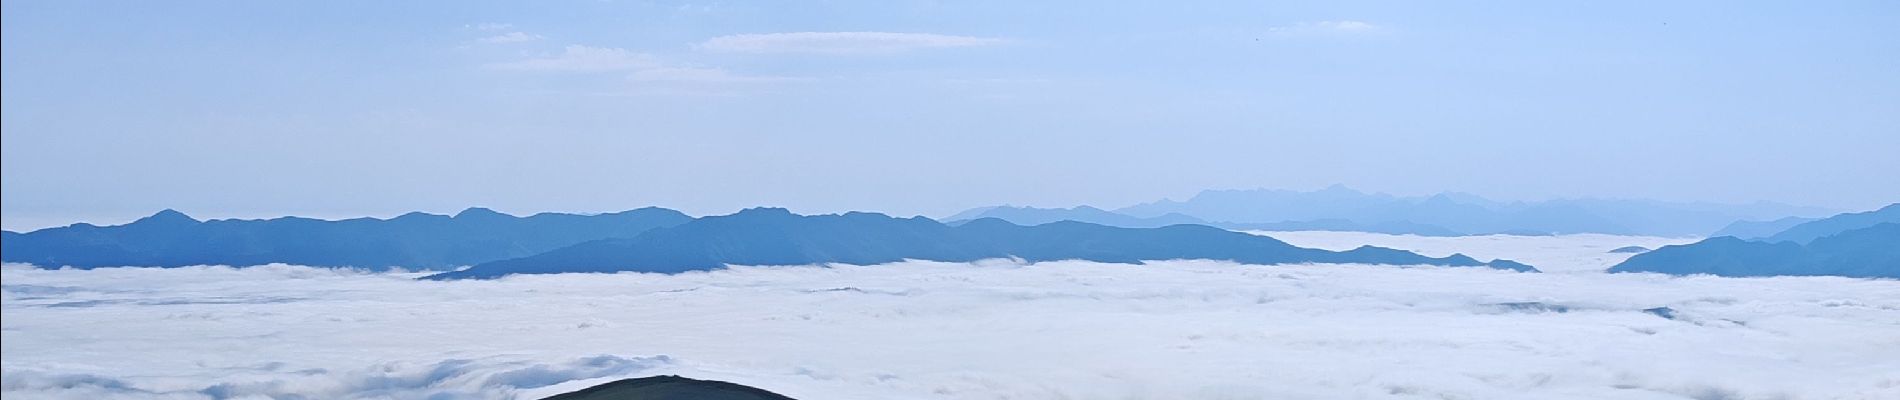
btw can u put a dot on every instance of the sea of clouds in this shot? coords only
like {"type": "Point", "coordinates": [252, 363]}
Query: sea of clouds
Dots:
{"type": "Point", "coordinates": [987, 330]}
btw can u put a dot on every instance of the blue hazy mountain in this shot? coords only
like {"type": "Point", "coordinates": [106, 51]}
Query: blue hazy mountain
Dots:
{"type": "Point", "coordinates": [1629, 250]}
{"type": "Point", "coordinates": [1466, 213]}
{"type": "Point", "coordinates": [415, 240]}
{"type": "Point", "coordinates": [1867, 252]}
{"type": "Point", "coordinates": [1759, 229]}
{"type": "Point", "coordinates": [773, 236]}
{"type": "Point", "coordinates": [1811, 230]}
{"type": "Point", "coordinates": [1343, 225]}
{"type": "Point", "coordinates": [1039, 216]}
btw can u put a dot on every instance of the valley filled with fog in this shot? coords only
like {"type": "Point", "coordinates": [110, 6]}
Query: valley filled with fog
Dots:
{"type": "Point", "coordinates": [987, 330]}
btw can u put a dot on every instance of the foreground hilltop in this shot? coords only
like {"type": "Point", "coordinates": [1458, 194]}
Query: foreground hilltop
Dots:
{"type": "Point", "coordinates": [775, 236]}
{"type": "Point", "coordinates": [669, 387]}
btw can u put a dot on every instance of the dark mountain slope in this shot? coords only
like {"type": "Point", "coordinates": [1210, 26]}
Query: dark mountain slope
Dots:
{"type": "Point", "coordinates": [1871, 252]}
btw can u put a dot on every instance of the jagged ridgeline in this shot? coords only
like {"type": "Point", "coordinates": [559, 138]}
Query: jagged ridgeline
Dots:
{"type": "Point", "coordinates": [653, 240]}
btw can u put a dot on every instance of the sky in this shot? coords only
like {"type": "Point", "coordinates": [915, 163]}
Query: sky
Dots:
{"type": "Point", "coordinates": [114, 110]}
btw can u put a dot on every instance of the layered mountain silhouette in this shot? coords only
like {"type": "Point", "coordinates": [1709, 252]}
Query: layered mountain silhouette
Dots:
{"type": "Point", "coordinates": [668, 387]}
{"type": "Point", "coordinates": [415, 240]}
{"type": "Point", "coordinates": [1759, 229]}
{"type": "Point", "coordinates": [774, 236]}
{"type": "Point", "coordinates": [1467, 214]}
{"type": "Point", "coordinates": [1854, 245]}
{"type": "Point", "coordinates": [1811, 230]}
{"type": "Point", "coordinates": [1039, 216]}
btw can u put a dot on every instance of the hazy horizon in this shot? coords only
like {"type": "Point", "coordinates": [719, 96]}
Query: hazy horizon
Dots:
{"type": "Point", "coordinates": [268, 109]}
{"type": "Point", "coordinates": [30, 224]}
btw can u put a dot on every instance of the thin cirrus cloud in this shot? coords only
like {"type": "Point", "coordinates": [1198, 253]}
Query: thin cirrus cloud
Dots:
{"type": "Point", "coordinates": [705, 75]}
{"type": "Point", "coordinates": [639, 67]}
{"type": "Point", "coordinates": [579, 58]}
{"type": "Point", "coordinates": [490, 26]}
{"type": "Point", "coordinates": [1334, 27]}
{"type": "Point", "coordinates": [840, 42]}
{"type": "Point", "coordinates": [510, 37]}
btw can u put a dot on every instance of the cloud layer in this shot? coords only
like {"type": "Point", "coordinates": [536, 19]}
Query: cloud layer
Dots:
{"type": "Point", "coordinates": [840, 42]}
{"type": "Point", "coordinates": [1181, 329]}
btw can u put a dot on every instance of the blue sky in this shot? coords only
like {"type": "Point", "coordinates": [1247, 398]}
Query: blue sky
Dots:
{"type": "Point", "coordinates": [249, 109]}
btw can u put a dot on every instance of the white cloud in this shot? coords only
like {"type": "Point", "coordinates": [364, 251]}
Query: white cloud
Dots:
{"type": "Point", "coordinates": [995, 329]}
{"type": "Point", "coordinates": [1339, 27]}
{"type": "Point", "coordinates": [694, 74]}
{"type": "Point", "coordinates": [840, 42]}
{"type": "Point", "coordinates": [490, 26]}
{"type": "Point", "coordinates": [578, 58]}
{"type": "Point", "coordinates": [510, 37]}
{"type": "Point", "coordinates": [639, 67]}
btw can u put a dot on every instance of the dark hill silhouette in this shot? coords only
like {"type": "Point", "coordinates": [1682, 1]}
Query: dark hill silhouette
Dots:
{"type": "Point", "coordinates": [415, 240]}
{"type": "Point", "coordinates": [1870, 252]}
{"type": "Point", "coordinates": [773, 236]}
{"type": "Point", "coordinates": [668, 387]}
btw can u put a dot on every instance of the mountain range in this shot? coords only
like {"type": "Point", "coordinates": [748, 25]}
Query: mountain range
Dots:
{"type": "Point", "coordinates": [1446, 214]}
{"type": "Point", "coordinates": [414, 240]}
{"type": "Point", "coordinates": [1759, 229]}
{"type": "Point", "coordinates": [1865, 244]}
{"type": "Point", "coordinates": [1037, 216]}
{"type": "Point", "coordinates": [646, 240]}
{"type": "Point", "coordinates": [775, 236]}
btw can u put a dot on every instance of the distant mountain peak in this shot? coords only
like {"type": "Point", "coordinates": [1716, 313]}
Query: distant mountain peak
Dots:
{"type": "Point", "coordinates": [1340, 188]}
{"type": "Point", "coordinates": [413, 215]}
{"type": "Point", "coordinates": [479, 212]}
{"type": "Point", "coordinates": [167, 216]}
{"type": "Point", "coordinates": [763, 212]}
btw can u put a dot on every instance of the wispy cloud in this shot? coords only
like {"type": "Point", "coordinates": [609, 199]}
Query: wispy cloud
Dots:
{"type": "Point", "coordinates": [579, 58]}
{"type": "Point", "coordinates": [1337, 27]}
{"type": "Point", "coordinates": [510, 37]}
{"type": "Point", "coordinates": [639, 67]}
{"type": "Point", "coordinates": [490, 26]}
{"type": "Point", "coordinates": [696, 74]}
{"type": "Point", "coordinates": [840, 42]}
